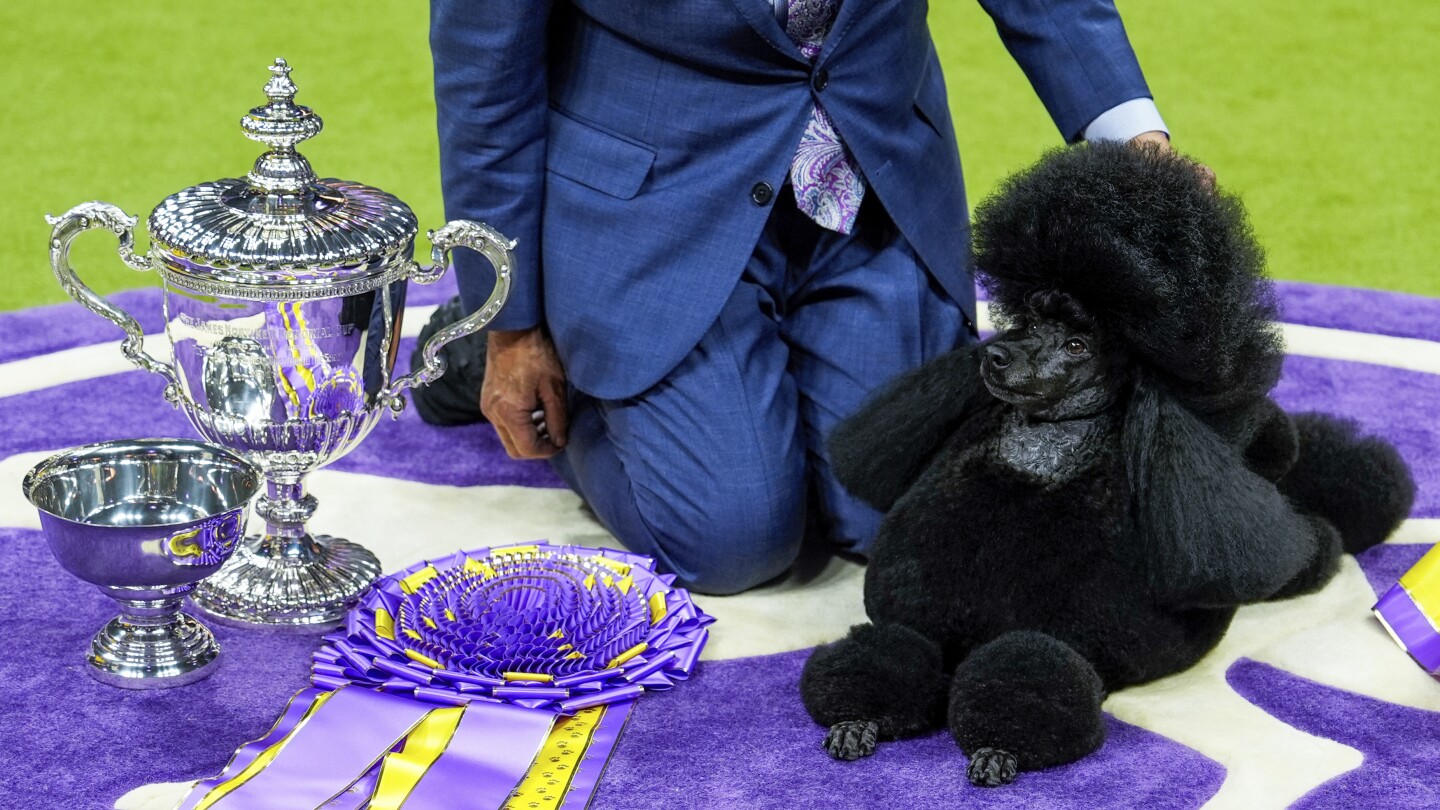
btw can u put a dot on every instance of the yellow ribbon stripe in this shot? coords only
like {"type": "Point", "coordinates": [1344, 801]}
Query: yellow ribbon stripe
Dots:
{"type": "Point", "coordinates": [415, 656]}
{"type": "Point", "coordinates": [549, 777]}
{"type": "Point", "coordinates": [402, 770]}
{"type": "Point", "coordinates": [1422, 583]}
{"type": "Point", "coordinates": [478, 567]}
{"type": "Point", "coordinates": [627, 655]}
{"type": "Point", "coordinates": [623, 569]}
{"type": "Point", "coordinates": [224, 789]}
{"type": "Point", "coordinates": [384, 624]}
{"type": "Point", "coordinates": [412, 583]}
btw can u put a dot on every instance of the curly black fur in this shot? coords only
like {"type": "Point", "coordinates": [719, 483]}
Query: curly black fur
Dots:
{"type": "Point", "coordinates": [1164, 260]}
{"type": "Point", "coordinates": [1359, 483]}
{"type": "Point", "coordinates": [1140, 340]}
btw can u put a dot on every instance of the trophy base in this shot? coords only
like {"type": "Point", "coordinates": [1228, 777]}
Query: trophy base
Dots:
{"type": "Point", "coordinates": [301, 585]}
{"type": "Point", "coordinates": [159, 656]}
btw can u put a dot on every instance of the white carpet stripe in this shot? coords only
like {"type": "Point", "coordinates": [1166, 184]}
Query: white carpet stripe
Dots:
{"type": "Point", "coordinates": [1362, 347]}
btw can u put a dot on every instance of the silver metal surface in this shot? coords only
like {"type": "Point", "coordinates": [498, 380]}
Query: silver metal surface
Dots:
{"type": "Point", "coordinates": [145, 521]}
{"type": "Point", "coordinates": [284, 296]}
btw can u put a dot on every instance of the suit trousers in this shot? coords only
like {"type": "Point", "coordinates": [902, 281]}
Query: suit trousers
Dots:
{"type": "Point", "coordinates": [720, 470]}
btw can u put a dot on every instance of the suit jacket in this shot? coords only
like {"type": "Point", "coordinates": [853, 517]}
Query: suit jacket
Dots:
{"type": "Point", "coordinates": [629, 145]}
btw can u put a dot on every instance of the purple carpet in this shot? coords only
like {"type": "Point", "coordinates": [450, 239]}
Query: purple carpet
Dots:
{"type": "Point", "coordinates": [735, 735]}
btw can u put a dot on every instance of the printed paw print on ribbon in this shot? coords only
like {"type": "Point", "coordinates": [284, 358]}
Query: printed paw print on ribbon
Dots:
{"type": "Point", "coordinates": [1401, 744]}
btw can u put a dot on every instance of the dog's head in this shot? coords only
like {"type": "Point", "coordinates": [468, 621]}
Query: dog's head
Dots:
{"type": "Point", "coordinates": [1160, 258]}
{"type": "Point", "coordinates": [1054, 361]}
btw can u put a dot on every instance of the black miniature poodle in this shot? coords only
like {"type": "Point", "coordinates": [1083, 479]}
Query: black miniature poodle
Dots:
{"type": "Point", "coordinates": [1080, 503]}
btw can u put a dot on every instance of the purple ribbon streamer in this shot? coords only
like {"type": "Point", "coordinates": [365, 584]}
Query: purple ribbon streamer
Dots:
{"type": "Point", "coordinates": [1411, 627]}
{"type": "Point", "coordinates": [246, 754]}
{"type": "Point", "coordinates": [518, 638]}
{"type": "Point", "coordinates": [597, 756]}
{"type": "Point", "coordinates": [335, 746]}
{"type": "Point", "coordinates": [477, 771]}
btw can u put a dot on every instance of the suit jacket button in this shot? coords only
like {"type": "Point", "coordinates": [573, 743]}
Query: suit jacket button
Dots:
{"type": "Point", "coordinates": [762, 194]}
{"type": "Point", "coordinates": [821, 80]}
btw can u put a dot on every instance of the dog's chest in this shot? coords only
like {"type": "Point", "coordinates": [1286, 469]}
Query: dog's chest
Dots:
{"type": "Point", "coordinates": [1052, 452]}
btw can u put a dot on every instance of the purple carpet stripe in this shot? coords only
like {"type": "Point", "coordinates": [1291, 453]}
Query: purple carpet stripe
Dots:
{"type": "Point", "coordinates": [42, 330]}
{"type": "Point", "coordinates": [87, 744]}
{"type": "Point", "coordinates": [420, 295]}
{"type": "Point", "coordinates": [470, 455]}
{"type": "Point", "coordinates": [1385, 564]}
{"type": "Point", "coordinates": [736, 736]}
{"type": "Point", "coordinates": [1357, 310]}
{"type": "Point", "coordinates": [1390, 402]}
{"type": "Point", "coordinates": [1401, 744]}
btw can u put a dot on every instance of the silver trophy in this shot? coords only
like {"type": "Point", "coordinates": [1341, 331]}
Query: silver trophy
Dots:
{"type": "Point", "coordinates": [144, 521]}
{"type": "Point", "coordinates": [283, 300]}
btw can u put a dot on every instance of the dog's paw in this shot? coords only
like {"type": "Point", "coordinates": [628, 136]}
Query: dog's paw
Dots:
{"type": "Point", "coordinates": [992, 767]}
{"type": "Point", "coordinates": [852, 739]}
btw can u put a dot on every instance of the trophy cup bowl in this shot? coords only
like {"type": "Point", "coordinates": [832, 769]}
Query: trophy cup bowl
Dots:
{"type": "Point", "coordinates": [144, 521]}
{"type": "Point", "coordinates": [284, 295]}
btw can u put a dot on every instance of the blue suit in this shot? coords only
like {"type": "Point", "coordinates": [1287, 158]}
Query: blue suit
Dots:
{"type": "Point", "coordinates": [639, 150]}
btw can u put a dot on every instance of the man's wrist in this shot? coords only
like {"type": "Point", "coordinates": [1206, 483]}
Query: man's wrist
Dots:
{"type": "Point", "coordinates": [1126, 121]}
{"type": "Point", "coordinates": [509, 337]}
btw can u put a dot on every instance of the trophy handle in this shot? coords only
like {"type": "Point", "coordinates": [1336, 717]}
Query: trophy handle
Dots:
{"type": "Point", "coordinates": [72, 223]}
{"type": "Point", "coordinates": [489, 243]}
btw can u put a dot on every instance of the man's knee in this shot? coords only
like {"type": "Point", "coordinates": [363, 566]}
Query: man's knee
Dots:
{"type": "Point", "coordinates": [733, 546]}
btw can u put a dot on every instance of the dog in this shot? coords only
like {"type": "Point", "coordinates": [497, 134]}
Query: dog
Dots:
{"type": "Point", "coordinates": [1081, 503]}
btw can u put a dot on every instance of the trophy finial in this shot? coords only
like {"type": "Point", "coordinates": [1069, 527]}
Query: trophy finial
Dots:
{"type": "Point", "coordinates": [280, 89]}
{"type": "Point", "coordinates": [281, 125]}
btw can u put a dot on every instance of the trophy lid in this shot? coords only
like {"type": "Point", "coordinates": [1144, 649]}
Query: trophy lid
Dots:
{"type": "Point", "coordinates": [280, 232]}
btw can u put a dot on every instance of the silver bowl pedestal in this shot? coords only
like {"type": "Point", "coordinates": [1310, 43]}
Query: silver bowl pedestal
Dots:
{"type": "Point", "coordinates": [144, 521]}
{"type": "Point", "coordinates": [284, 297]}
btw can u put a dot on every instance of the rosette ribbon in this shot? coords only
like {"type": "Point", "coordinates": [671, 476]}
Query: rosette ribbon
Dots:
{"type": "Point", "coordinates": [496, 678]}
{"type": "Point", "coordinates": [1410, 611]}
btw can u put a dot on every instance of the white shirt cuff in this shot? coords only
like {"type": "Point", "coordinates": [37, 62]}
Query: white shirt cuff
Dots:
{"type": "Point", "coordinates": [1126, 120]}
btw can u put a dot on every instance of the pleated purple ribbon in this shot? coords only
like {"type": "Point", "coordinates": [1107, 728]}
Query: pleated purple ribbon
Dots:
{"type": "Point", "coordinates": [488, 677]}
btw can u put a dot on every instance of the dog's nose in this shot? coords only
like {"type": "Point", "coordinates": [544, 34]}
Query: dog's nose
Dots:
{"type": "Point", "coordinates": [998, 355]}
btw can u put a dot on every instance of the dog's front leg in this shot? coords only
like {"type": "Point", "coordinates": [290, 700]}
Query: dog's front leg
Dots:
{"type": "Point", "coordinates": [878, 683]}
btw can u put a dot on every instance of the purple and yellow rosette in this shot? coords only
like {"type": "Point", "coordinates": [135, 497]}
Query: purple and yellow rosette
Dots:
{"type": "Point", "coordinates": [1410, 611]}
{"type": "Point", "coordinates": [497, 678]}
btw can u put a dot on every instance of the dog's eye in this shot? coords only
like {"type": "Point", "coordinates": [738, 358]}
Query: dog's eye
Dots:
{"type": "Point", "coordinates": [1076, 347]}
{"type": "Point", "coordinates": [1032, 328]}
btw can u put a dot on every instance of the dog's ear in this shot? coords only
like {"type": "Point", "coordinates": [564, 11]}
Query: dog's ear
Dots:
{"type": "Point", "coordinates": [1210, 531]}
{"type": "Point", "coordinates": [880, 451]}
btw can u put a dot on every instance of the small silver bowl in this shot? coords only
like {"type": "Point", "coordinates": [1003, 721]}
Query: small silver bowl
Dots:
{"type": "Point", "coordinates": [145, 520]}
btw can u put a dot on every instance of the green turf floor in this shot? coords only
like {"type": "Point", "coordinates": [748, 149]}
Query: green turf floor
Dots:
{"type": "Point", "coordinates": [1323, 114]}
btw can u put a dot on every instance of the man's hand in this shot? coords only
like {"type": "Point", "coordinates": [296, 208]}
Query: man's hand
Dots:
{"type": "Point", "coordinates": [1157, 139]}
{"type": "Point", "coordinates": [523, 379]}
